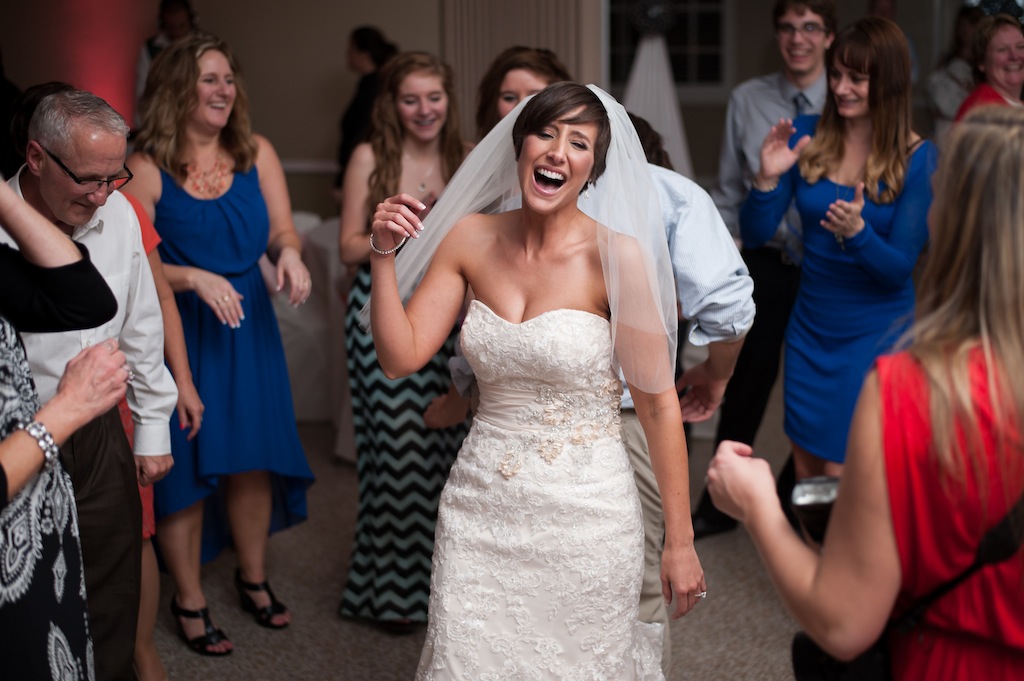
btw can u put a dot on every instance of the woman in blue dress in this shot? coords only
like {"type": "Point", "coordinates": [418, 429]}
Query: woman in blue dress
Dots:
{"type": "Point", "coordinates": [862, 186]}
{"type": "Point", "coordinates": [217, 196]}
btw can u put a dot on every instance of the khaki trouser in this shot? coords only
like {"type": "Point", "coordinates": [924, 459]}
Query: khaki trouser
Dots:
{"type": "Point", "coordinates": [652, 603]}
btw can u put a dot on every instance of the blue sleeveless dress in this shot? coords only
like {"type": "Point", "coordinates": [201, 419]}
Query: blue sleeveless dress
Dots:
{"type": "Point", "coordinates": [855, 298]}
{"type": "Point", "coordinates": [241, 375]}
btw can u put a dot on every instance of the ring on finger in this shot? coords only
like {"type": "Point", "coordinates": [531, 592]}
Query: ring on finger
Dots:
{"type": "Point", "coordinates": [701, 595]}
{"type": "Point", "coordinates": [131, 374]}
{"type": "Point", "coordinates": [226, 298]}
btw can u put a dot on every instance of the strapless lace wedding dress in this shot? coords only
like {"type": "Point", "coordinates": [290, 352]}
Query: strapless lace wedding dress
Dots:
{"type": "Point", "coordinates": [538, 558]}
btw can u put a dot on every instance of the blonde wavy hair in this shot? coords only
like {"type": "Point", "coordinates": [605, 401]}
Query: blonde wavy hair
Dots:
{"type": "Point", "coordinates": [875, 47]}
{"type": "Point", "coordinates": [970, 292]}
{"type": "Point", "coordinates": [170, 96]}
{"type": "Point", "coordinates": [386, 131]}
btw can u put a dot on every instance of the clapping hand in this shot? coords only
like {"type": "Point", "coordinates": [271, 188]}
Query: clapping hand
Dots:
{"type": "Point", "coordinates": [843, 218]}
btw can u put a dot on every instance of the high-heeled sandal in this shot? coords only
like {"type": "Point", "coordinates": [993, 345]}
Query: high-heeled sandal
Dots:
{"type": "Point", "coordinates": [265, 615]}
{"type": "Point", "coordinates": [211, 636]}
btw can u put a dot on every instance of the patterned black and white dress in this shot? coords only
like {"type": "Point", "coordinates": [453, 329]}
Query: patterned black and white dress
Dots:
{"type": "Point", "coordinates": [44, 626]}
{"type": "Point", "coordinates": [402, 466]}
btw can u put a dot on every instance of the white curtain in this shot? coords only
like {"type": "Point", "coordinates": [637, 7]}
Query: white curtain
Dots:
{"type": "Point", "coordinates": [651, 94]}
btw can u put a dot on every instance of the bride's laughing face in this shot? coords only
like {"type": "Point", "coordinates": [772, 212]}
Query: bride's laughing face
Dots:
{"type": "Point", "coordinates": [555, 163]}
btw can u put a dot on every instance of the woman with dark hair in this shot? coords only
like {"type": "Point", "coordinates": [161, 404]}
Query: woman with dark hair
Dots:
{"type": "Point", "coordinates": [415, 147]}
{"type": "Point", "coordinates": [862, 187]}
{"type": "Point", "coordinates": [514, 74]}
{"type": "Point", "coordinates": [539, 555]}
{"type": "Point", "coordinates": [217, 196]}
{"type": "Point", "coordinates": [368, 51]}
{"type": "Point", "coordinates": [935, 453]}
{"type": "Point", "coordinates": [997, 60]}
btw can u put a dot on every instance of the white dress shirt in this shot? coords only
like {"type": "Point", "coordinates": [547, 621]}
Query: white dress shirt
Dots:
{"type": "Point", "coordinates": [713, 285]}
{"type": "Point", "coordinates": [114, 241]}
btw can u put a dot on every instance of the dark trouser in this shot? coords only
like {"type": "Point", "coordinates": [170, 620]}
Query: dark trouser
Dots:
{"type": "Point", "coordinates": [746, 397]}
{"type": "Point", "coordinates": [102, 470]}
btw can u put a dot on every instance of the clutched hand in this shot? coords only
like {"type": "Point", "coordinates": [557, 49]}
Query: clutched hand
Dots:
{"type": "Point", "coordinates": [396, 219]}
{"type": "Point", "coordinates": [95, 379]}
{"type": "Point", "coordinates": [738, 482]}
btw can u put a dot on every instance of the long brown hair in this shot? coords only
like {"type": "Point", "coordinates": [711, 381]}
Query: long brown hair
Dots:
{"type": "Point", "coordinates": [969, 297]}
{"type": "Point", "coordinates": [875, 47]}
{"type": "Point", "coordinates": [386, 130]}
{"type": "Point", "coordinates": [537, 60]}
{"type": "Point", "coordinates": [170, 96]}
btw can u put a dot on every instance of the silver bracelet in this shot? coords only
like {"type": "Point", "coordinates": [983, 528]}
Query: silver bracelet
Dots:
{"type": "Point", "coordinates": [390, 250]}
{"type": "Point", "coordinates": [43, 439]}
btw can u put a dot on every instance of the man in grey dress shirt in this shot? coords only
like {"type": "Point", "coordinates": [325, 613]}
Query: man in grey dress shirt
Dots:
{"type": "Point", "coordinates": [804, 29]}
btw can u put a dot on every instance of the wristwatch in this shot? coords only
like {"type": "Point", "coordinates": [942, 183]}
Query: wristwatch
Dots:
{"type": "Point", "coordinates": [43, 439]}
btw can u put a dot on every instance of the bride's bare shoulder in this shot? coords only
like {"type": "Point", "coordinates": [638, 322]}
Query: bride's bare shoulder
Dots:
{"type": "Point", "coordinates": [479, 227]}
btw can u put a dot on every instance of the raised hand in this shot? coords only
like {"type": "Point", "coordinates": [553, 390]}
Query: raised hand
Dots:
{"type": "Point", "coordinates": [776, 156]}
{"type": "Point", "coordinates": [396, 218]}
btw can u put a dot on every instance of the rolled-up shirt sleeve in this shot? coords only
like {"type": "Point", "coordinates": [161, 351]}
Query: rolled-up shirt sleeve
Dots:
{"type": "Point", "coordinates": [713, 285]}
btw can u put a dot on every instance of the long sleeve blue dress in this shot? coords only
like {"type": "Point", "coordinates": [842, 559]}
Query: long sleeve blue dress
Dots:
{"type": "Point", "coordinates": [855, 298]}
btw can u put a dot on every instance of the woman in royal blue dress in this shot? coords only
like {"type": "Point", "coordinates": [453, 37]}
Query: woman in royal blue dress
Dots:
{"type": "Point", "coordinates": [218, 198]}
{"type": "Point", "coordinates": [860, 177]}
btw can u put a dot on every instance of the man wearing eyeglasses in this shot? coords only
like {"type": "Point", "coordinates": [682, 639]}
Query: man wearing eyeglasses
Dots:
{"type": "Point", "coordinates": [804, 30]}
{"type": "Point", "coordinates": [74, 167]}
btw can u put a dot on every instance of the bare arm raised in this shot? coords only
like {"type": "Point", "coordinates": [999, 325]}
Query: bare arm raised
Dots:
{"type": "Point", "coordinates": [407, 337]}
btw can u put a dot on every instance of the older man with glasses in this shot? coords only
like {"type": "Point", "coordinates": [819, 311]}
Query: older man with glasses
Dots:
{"type": "Point", "coordinates": [74, 165]}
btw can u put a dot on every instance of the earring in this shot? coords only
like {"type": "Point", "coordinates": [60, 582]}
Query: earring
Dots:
{"type": "Point", "coordinates": [586, 192]}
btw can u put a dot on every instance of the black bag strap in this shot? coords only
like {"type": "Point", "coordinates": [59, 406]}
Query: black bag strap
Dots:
{"type": "Point", "coordinates": [998, 544]}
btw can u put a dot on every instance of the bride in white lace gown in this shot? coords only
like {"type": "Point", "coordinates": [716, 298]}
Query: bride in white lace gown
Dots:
{"type": "Point", "coordinates": [539, 552]}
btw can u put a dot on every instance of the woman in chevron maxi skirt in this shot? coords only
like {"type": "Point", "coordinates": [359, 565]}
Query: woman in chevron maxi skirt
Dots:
{"type": "Point", "coordinates": [401, 464]}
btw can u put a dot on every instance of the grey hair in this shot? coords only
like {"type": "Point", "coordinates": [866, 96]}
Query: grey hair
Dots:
{"type": "Point", "coordinates": [59, 114]}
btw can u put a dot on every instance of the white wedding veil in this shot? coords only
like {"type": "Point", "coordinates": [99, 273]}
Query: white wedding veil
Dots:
{"type": "Point", "coordinates": [633, 248]}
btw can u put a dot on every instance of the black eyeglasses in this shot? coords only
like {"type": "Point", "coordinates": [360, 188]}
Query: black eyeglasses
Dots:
{"type": "Point", "coordinates": [91, 186]}
{"type": "Point", "coordinates": [809, 29]}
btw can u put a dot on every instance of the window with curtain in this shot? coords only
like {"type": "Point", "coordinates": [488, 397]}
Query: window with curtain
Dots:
{"type": "Point", "coordinates": [695, 32]}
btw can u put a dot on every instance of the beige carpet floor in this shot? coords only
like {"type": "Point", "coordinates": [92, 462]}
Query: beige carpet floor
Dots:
{"type": "Point", "coordinates": [740, 632]}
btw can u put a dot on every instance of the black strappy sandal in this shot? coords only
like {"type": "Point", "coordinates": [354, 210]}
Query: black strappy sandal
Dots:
{"type": "Point", "coordinates": [211, 637]}
{"type": "Point", "coordinates": [264, 616]}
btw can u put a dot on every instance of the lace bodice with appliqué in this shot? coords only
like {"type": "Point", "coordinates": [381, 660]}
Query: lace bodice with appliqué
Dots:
{"type": "Point", "coordinates": [539, 551]}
